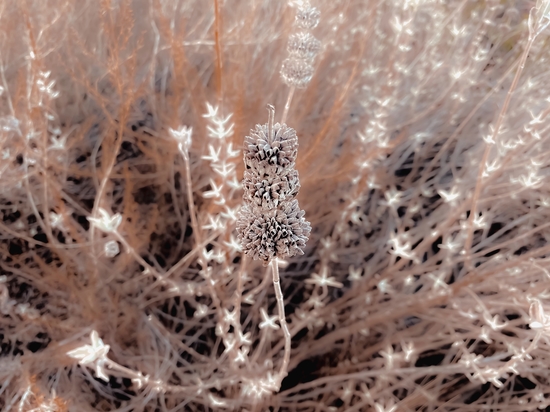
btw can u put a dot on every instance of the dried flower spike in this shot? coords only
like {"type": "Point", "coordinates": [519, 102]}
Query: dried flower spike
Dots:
{"type": "Point", "coordinates": [270, 155]}
{"type": "Point", "coordinates": [297, 70]}
{"type": "Point", "coordinates": [270, 223]}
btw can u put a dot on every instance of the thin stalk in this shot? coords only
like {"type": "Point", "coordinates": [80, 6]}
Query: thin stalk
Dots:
{"type": "Point", "coordinates": [218, 48]}
{"type": "Point", "coordinates": [488, 146]}
{"type": "Point", "coordinates": [239, 290]}
{"type": "Point", "coordinates": [282, 320]}
{"type": "Point", "coordinates": [287, 105]}
{"type": "Point", "coordinates": [190, 200]}
{"type": "Point", "coordinates": [271, 119]}
{"type": "Point", "coordinates": [195, 226]}
{"type": "Point", "coordinates": [216, 304]}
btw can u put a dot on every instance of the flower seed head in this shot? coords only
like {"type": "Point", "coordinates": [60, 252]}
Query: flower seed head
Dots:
{"type": "Point", "coordinates": [303, 45]}
{"type": "Point", "coordinates": [276, 233]}
{"type": "Point", "coordinates": [270, 223]}
{"type": "Point", "coordinates": [308, 17]}
{"type": "Point", "coordinates": [266, 157]}
{"type": "Point", "coordinates": [269, 193]}
{"type": "Point", "coordinates": [296, 72]}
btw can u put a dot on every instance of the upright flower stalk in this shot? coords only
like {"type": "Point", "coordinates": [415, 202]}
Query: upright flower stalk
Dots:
{"type": "Point", "coordinates": [297, 69]}
{"type": "Point", "coordinates": [270, 223]}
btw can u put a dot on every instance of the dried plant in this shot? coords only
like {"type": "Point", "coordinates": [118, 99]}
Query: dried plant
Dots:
{"type": "Point", "coordinates": [271, 225]}
{"type": "Point", "coordinates": [130, 225]}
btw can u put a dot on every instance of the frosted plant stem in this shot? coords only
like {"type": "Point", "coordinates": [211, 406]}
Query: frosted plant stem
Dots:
{"type": "Point", "coordinates": [99, 196]}
{"type": "Point", "coordinates": [270, 121]}
{"type": "Point", "coordinates": [478, 186]}
{"type": "Point", "coordinates": [177, 209]}
{"type": "Point", "coordinates": [195, 226]}
{"type": "Point", "coordinates": [282, 320]}
{"type": "Point", "coordinates": [239, 291]}
{"type": "Point", "coordinates": [190, 201]}
{"type": "Point", "coordinates": [287, 105]}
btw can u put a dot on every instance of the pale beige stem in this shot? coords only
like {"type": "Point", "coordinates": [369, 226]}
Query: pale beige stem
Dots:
{"type": "Point", "coordinates": [282, 320]}
{"type": "Point", "coordinates": [190, 200]}
{"type": "Point", "coordinates": [479, 183]}
{"type": "Point", "coordinates": [287, 105]}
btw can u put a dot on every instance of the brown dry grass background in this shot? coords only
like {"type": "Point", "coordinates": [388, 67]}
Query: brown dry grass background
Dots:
{"type": "Point", "coordinates": [424, 165]}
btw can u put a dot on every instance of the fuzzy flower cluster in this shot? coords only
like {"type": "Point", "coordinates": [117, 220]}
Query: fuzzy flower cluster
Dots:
{"type": "Point", "coordinates": [270, 223]}
{"type": "Point", "coordinates": [297, 69]}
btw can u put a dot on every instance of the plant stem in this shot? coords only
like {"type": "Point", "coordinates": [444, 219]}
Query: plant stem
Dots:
{"type": "Point", "coordinates": [190, 200]}
{"type": "Point", "coordinates": [482, 164]}
{"type": "Point", "coordinates": [287, 105]}
{"type": "Point", "coordinates": [270, 121]}
{"type": "Point", "coordinates": [282, 320]}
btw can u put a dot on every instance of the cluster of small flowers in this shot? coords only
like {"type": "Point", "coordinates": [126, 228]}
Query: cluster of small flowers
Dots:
{"type": "Point", "coordinates": [297, 68]}
{"type": "Point", "coordinates": [270, 223]}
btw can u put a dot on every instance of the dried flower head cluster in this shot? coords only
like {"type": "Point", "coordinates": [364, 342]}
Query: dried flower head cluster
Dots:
{"type": "Point", "coordinates": [270, 223]}
{"type": "Point", "coordinates": [270, 155]}
{"type": "Point", "coordinates": [297, 69]}
{"type": "Point", "coordinates": [307, 17]}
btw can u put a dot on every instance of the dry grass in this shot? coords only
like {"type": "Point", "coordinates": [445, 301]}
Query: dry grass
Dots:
{"type": "Point", "coordinates": [424, 164]}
